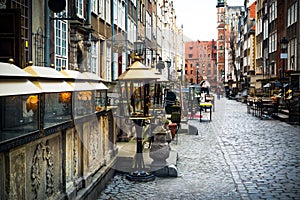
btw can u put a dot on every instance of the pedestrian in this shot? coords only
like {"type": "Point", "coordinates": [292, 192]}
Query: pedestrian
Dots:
{"type": "Point", "coordinates": [205, 86]}
{"type": "Point", "coordinates": [218, 91]}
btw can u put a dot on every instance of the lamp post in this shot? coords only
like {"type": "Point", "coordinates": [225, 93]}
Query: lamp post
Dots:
{"type": "Point", "coordinates": [197, 78]}
{"type": "Point", "coordinates": [134, 87]}
{"type": "Point", "coordinates": [168, 65]}
{"type": "Point", "coordinates": [283, 55]}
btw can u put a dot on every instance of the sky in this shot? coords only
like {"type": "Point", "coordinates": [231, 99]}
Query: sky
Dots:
{"type": "Point", "coordinates": [199, 17]}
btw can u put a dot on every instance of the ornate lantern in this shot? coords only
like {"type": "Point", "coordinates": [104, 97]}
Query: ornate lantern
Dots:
{"type": "Point", "coordinates": [135, 99]}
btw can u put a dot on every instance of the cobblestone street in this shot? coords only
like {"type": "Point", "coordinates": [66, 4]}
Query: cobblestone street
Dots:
{"type": "Point", "coordinates": [235, 156]}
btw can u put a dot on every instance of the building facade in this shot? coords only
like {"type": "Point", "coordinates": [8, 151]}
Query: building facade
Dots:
{"type": "Point", "coordinates": [201, 62]}
{"type": "Point", "coordinates": [70, 159]}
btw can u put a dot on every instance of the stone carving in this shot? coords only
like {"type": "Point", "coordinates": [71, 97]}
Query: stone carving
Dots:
{"type": "Point", "coordinates": [75, 158]}
{"type": "Point", "coordinates": [42, 154]}
{"type": "Point", "coordinates": [17, 175]}
{"type": "Point", "coordinates": [50, 170]}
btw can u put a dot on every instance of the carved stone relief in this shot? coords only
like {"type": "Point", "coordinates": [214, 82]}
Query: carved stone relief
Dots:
{"type": "Point", "coordinates": [69, 158]}
{"type": "Point", "coordinates": [42, 155]}
{"type": "Point", "coordinates": [17, 174]}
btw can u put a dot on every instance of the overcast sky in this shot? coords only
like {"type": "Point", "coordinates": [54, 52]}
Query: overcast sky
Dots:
{"type": "Point", "coordinates": [199, 17]}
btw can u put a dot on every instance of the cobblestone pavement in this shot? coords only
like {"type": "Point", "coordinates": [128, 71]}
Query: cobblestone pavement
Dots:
{"type": "Point", "coordinates": [235, 156]}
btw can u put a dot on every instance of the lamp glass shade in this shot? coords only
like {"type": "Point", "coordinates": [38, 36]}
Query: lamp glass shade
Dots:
{"type": "Point", "coordinates": [284, 43]}
{"type": "Point", "coordinates": [139, 47]}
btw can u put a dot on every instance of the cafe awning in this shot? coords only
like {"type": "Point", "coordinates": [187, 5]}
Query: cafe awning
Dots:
{"type": "Point", "coordinates": [99, 86]}
{"type": "Point", "coordinates": [137, 72]}
{"type": "Point", "coordinates": [53, 86]}
{"type": "Point", "coordinates": [9, 87]}
{"type": "Point", "coordinates": [81, 86]}
{"type": "Point", "coordinates": [92, 76]}
{"type": "Point", "coordinates": [74, 74]}
{"type": "Point", "coordinates": [11, 70]}
{"type": "Point", "coordinates": [44, 72]}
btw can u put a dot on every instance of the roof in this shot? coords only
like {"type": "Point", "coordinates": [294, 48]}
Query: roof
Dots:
{"type": "Point", "coordinates": [137, 71]}
{"type": "Point", "coordinates": [44, 72]}
{"type": "Point", "coordinates": [7, 70]}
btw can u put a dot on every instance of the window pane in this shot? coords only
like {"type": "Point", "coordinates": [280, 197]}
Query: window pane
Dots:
{"type": "Point", "coordinates": [19, 116]}
{"type": "Point", "coordinates": [57, 108]}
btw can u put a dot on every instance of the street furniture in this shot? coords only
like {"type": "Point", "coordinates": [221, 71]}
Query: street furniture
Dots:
{"type": "Point", "coordinates": [205, 106]}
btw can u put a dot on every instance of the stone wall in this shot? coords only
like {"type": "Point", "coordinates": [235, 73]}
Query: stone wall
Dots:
{"type": "Point", "coordinates": [65, 164]}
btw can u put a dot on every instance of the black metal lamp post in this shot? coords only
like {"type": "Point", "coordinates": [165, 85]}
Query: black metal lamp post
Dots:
{"type": "Point", "coordinates": [139, 47]}
{"type": "Point", "coordinates": [197, 78]}
{"type": "Point", "coordinates": [283, 55]}
{"type": "Point", "coordinates": [134, 85]}
{"type": "Point", "coordinates": [168, 65]}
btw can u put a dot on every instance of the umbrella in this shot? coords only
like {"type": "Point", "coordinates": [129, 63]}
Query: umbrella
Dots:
{"type": "Point", "coordinates": [267, 85]}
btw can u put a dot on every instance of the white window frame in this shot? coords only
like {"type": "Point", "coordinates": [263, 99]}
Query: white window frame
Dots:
{"type": "Point", "coordinates": [79, 8]}
{"type": "Point", "coordinates": [116, 12]}
{"type": "Point", "coordinates": [61, 42]}
{"type": "Point", "coordinates": [108, 11]}
{"type": "Point", "coordinates": [94, 57]}
{"type": "Point", "coordinates": [94, 6]}
{"type": "Point", "coordinates": [102, 9]}
{"type": "Point", "coordinates": [108, 63]}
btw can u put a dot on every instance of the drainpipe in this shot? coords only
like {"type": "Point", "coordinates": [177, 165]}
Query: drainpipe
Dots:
{"type": "Point", "coordinates": [112, 40]}
{"type": "Point", "coordinates": [137, 19]}
{"type": "Point", "coordinates": [126, 32]}
{"type": "Point", "coordinates": [88, 23]}
{"type": "Point", "coordinates": [88, 17]}
{"type": "Point", "coordinates": [47, 39]}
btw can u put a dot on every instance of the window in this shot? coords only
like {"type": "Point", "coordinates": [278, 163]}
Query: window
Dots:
{"type": "Point", "coordinates": [94, 57]}
{"type": "Point", "coordinates": [19, 115]}
{"type": "Point", "coordinates": [25, 27]}
{"type": "Point", "coordinates": [79, 8]}
{"type": "Point", "coordinates": [61, 55]}
{"type": "Point", "coordinates": [94, 6]}
{"type": "Point", "coordinates": [83, 103]}
{"type": "Point", "coordinates": [190, 55]}
{"type": "Point", "coordinates": [108, 63]}
{"type": "Point", "coordinates": [107, 16]}
{"type": "Point", "coordinates": [100, 100]}
{"type": "Point", "coordinates": [115, 11]}
{"type": "Point", "coordinates": [57, 108]}
{"type": "Point", "coordinates": [101, 8]}
{"type": "Point", "coordinates": [292, 14]}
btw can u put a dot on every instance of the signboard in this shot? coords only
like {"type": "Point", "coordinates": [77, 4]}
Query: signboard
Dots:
{"type": "Point", "coordinates": [283, 56]}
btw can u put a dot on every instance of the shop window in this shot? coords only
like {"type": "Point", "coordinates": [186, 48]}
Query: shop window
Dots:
{"type": "Point", "coordinates": [100, 100]}
{"type": "Point", "coordinates": [83, 104]}
{"type": "Point", "coordinates": [57, 108]}
{"type": "Point", "coordinates": [19, 116]}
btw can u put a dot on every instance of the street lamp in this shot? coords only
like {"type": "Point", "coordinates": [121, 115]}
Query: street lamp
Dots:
{"type": "Point", "coordinates": [168, 65]}
{"type": "Point", "coordinates": [283, 55]}
{"type": "Point", "coordinates": [139, 48]}
{"type": "Point", "coordinates": [197, 74]}
{"type": "Point", "coordinates": [134, 87]}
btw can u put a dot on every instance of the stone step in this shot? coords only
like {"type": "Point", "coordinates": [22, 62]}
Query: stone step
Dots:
{"type": "Point", "coordinates": [281, 117]}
